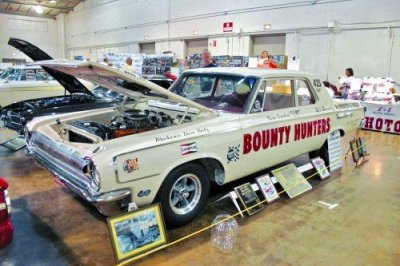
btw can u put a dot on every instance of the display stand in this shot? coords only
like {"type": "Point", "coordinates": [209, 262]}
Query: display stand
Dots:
{"type": "Point", "coordinates": [234, 197]}
{"type": "Point", "coordinates": [358, 150]}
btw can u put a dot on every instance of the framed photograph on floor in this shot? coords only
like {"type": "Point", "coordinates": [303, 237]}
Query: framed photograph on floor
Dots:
{"type": "Point", "coordinates": [136, 232]}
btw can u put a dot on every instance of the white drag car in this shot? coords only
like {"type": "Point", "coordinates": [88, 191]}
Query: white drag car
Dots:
{"type": "Point", "coordinates": [213, 125]}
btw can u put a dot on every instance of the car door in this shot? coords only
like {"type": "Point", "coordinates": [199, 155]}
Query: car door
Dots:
{"type": "Point", "coordinates": [269, 129]}
{"type": "Point", "coordinates": [311, 110]}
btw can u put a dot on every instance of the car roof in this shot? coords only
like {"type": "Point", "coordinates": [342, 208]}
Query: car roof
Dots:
{"type": "Point", "coordinates": [245, 71]}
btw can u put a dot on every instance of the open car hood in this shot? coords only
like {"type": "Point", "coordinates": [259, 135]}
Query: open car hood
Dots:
{"type": "Point", "coordinates": [70, 83]}
{"type": "Point", "coordinates": [116, 80]}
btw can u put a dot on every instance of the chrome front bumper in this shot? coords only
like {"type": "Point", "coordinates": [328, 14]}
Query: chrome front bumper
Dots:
{"type": "Point", "coordinates": [108, 203]}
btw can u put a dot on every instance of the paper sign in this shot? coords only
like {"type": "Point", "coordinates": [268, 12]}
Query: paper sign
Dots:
{"type": "Point", "coordinates": [291, 179]}
{"type": "Point", "coordinates": [319, 165]}
{"type": "Point", "coordinates": [335, 151]}
{"type": "Point", "coordinates": [267, 188]}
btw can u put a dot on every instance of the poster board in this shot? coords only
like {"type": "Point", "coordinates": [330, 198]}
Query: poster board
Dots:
{"type": "Point", "coordinates": [335, 150]}
{"type": "Point", "coordinates": [291, 179]}
{"type": "Point", "coordinates": [381, 117]}
{"type": "Point", "coordinates": [248, 198]}
{"type": "Point", "coordinates": [267, 188]}
{"type": "Point", "coordinates": [319, 165]}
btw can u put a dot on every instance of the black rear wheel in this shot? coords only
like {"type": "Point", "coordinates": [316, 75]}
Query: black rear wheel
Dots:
{"type": "Point", "coordinates": [323, 152]}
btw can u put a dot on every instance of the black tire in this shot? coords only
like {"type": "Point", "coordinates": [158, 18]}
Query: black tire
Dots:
{"type": "Point", "coordinates": [166, 192]}
{"type": "Point", "coordinates": [323, 153]}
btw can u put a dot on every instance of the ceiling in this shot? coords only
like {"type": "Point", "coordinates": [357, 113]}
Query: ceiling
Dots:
{"type": "Point", "coordinates": [28, 7]}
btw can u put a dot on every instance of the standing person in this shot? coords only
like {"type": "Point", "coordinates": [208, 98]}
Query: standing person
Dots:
{"type": "Point", "coordinates": [266, 61]}
{"type": "Point", "coordinates": [168, 74]}
{"type": "Point", "coordinates": [104, 61]}
{"type": "Point", "coordinates": [206, 58]}
{"type": "Point", "coordinates": [128, 68]}
{"type": "Point", "coordinates": [345, 82]}
{"type": "Point", "coordinates": [271, 62]}
{"type": "Point", "coordinates": [263, 59]}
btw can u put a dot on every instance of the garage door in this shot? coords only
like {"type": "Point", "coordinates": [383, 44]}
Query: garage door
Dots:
{"type": "Point", "coordinates": [196, 46]}
{"type": "Point", "coordinates": [274, 44]}
{"type": "Point", "coordinates": [148, 48]}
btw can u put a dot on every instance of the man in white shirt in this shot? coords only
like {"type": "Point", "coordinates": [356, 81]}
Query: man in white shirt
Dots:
{"type": "Point", "coordinates": [128, 68]}
{"type": "Point", "coordinates": [345, 82]}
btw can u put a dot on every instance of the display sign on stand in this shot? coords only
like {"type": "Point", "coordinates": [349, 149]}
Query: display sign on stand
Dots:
{"type": "Point", "coordinates": [358, 149]}
{"type": "Point", "coordinates": [291, 179]}
{"type": "Point", "coordinates": [248, 198]}
{"type": "Point", "coordinates": [335, 151]}
{"type": "Point", "coordinates": [320, 166]}
{"type": "Point", "coordinates": [267, 188]}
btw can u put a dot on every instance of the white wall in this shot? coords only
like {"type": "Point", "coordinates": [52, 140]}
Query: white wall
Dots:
{"type": "Point", "coordinates": [44, 33]}
{"type": "Point", "coordinates": [358, 40]}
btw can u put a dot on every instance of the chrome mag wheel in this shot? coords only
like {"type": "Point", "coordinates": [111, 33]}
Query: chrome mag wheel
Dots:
{"type": "Point", "coordinates": [185, 194]}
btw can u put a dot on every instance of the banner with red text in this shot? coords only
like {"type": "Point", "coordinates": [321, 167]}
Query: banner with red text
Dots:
{"type": "Point", "coordinates": [382, 117]}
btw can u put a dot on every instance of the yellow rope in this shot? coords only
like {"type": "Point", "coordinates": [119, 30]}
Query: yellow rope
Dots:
{"type": "Point", "coordinates": [228, 218]}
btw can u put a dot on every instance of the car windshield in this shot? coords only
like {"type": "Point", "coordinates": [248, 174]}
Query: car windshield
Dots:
{"type": "Point", "coordinates": [222, 92]}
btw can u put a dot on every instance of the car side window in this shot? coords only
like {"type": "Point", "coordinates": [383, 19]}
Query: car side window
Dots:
{"type": "Point", "coordinates": [278, 94]}
{"type": "Point", "coordinates": [304, 93]}
{"type": "Point", "coordinates": [197, 86]}
{"type": "Point", "coordinates": [259, 101]}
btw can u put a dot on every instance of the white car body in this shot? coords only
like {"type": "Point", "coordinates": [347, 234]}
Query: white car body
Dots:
{"type": "Point", "coordinates": [228, 145]}
{"type": "Point", "coordinates": [36, 84]}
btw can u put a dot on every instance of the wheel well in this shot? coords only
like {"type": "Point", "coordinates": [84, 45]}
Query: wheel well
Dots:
{"type": "Point", "coordinates": [214, 168]}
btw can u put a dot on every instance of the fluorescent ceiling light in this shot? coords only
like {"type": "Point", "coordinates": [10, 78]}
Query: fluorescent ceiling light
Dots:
{"type": "Point", "coordinates": [39, 9]}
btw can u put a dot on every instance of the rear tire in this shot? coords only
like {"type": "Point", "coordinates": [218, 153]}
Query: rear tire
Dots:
{"type": "Point", "coordinates": [323, 152]}
{"type": "Point", "coordinates": [184, 194]}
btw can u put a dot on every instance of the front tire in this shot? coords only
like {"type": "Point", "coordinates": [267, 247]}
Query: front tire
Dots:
{"type": "Point", "coordinates": [184, 194]}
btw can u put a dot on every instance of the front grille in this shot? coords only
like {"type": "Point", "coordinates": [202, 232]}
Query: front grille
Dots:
{"type": "Point", "coordinates": [63, 160]}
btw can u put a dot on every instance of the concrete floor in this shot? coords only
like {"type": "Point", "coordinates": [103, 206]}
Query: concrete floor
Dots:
{"type": "Point", "coordinates": [52, 227]}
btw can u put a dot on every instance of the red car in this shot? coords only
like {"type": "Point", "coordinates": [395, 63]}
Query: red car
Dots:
{"type": "Point", "coordinates": [6, 227]}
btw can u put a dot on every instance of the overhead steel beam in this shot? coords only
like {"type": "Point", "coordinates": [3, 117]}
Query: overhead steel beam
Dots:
{"type": "Point", "coordinates": [16, 2]}
{"type": "Point", "coordinates": [26, 14]}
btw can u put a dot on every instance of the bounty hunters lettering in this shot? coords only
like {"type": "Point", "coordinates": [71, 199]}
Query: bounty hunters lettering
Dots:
{"type": "Point", "coordinates": [269, 138]}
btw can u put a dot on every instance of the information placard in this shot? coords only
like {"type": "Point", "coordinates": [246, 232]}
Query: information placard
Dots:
{"type": "Point", "coordinates": [267, 188]}
{"type": "Point", "coordinates": [335, 151]}
{"type": "Point", "coordinates": [248, 198]}
{"type": "Point", "coordinates": [319, 165]}
{"type": "Point", "coordinates": [291, 179]}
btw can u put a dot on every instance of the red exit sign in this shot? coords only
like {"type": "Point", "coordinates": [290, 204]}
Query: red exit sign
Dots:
{"type": "Point", "coordinates": [227, 27]}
